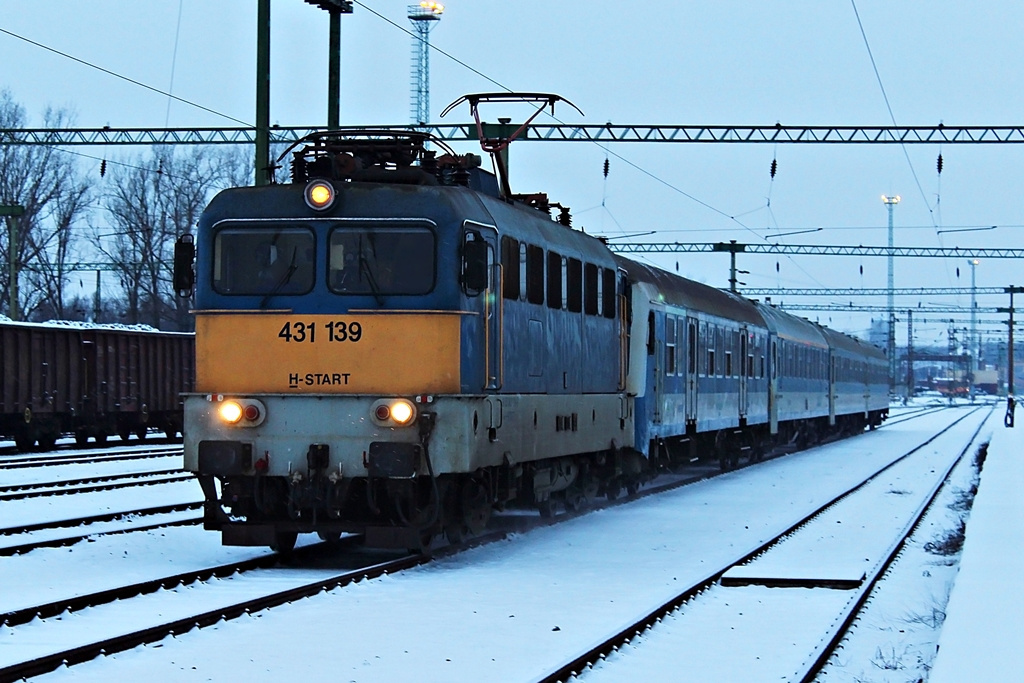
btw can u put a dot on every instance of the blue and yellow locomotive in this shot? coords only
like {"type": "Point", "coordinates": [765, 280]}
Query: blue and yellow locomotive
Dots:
{"type": "Point", "coordinates": [394, 345]}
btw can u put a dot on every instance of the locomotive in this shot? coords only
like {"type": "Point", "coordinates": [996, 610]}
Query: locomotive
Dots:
{"type": "Point", "coordinates": [394, 345]}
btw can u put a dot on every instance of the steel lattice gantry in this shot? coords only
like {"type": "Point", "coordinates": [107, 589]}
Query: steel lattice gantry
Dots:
{"type": "Point", "coordinates": [864, 308]}
{"type": "Point", "coordinates": [878, 291]}
{"type": "Point", "coordinates": [818, 249]}
{"type": "Point", "coordinates": [561, 132]}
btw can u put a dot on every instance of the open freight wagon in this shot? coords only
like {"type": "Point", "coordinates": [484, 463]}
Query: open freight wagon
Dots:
{"type": "Point", "coordinates": [91, 381]}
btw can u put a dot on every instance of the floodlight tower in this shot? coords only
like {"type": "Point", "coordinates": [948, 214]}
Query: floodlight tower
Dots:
{"type": "Point", "coordinates": [890, 203]}
{"type": "Point", "coordinates": [424, 17]}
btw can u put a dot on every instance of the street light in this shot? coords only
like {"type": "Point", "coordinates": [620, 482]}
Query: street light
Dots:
{"type": "Point", "coordinates": [890, 203]}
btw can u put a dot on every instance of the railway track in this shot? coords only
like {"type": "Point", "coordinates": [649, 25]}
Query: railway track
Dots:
{"type": "Point", "coordinates": [150, 633]}
{"type": "Point", "coordinates": [127, 521]}
{"type": "Point", "coordinates": [112, 482]}
{"type": "Point", "coordinates": [109, 455]}
{"type": "Point", "coordinates": [755, 571]}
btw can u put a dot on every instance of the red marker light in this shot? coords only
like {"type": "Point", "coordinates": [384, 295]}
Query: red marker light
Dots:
{"type": "Point", "coordinates": [382, 412]}
{"type": "Point", "coordinates": [251, 412]}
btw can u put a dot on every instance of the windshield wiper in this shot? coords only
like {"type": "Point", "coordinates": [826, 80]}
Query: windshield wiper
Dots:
{"type": "Point", "coordinates": [285, 278]}
{"type": "Point", "coordinates": [364, 267]}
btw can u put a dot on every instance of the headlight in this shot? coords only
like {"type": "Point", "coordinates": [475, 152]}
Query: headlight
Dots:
{"type": "Point", "coordinates": [319, 195]}
{"type": "Point", "coordinates": [393, 412]}
{"type": "Point", "coordinates": [241, 412]}
{"type": "Point", "coordinates": [230, 411]}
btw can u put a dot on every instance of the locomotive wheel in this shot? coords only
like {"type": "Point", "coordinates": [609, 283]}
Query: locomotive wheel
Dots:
{"type": "Point", "coordinates": [612, 489]}
{"type": "Point", "coordinates": [476, 507]}
{"type": "Point", "coordinates": [454, 531]}
{"type": "Point", "coordinates": [546, 508]}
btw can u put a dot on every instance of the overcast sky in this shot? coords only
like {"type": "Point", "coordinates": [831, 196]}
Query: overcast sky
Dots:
{"type": "Point", "coordinates": [801, 62]}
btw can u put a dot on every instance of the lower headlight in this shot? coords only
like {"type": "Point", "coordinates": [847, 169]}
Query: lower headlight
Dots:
{"type": "Point", "coordinates": [230, 412]}
{"type": "Point", "coordinates": [402, 412]}
{"type": "Point", "coordinates": [393, 412]}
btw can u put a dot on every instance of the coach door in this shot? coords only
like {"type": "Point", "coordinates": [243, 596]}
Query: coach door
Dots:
{"type": "Point", "coordinates": [482, 242]}
{"type": "Point", "coordinates": [831, 389]}
{"type": "Point", "coordinates": [773, 387]}
{"type": "Point", "coordinates": [742, 360]}
{"type": "Point", "coordinates": [691, 370]}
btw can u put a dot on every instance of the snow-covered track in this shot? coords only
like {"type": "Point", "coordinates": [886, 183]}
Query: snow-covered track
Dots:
{"type": "Point", "coordinates": [90, 484]}
{"type": "Point", "coordinates": [110, 455]}
{"type": "Point", "coordinates": [79, 602]}
{"type": "Point", "coordinates": [123, 515]}
{"type": "Point", "coordinates": [742, 571]}
{"type": "Point", "coordinates": [48, 662]}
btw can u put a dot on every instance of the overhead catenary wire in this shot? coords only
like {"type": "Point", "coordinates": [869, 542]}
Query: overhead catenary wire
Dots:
{"type": "Point", "coordinates": [124, 78]}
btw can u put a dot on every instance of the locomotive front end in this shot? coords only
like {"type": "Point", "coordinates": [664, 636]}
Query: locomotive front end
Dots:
{"type": "Point", "coordinates": [331, 373]}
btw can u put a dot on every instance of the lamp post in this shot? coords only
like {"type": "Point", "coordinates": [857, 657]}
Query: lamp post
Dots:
{"type": "Point", "coordinates": [890, 204]}
{"type": "Point", "coordinates": [335, 8]}
{"type": "Point", "coordinates": [974, 345]}
{"type": "Point", "coordinates": [12, 212]}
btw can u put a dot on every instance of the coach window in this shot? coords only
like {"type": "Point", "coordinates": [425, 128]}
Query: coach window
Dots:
{"type": "Point", "coordinates": [554, 280]}
{"type": "Point", "coordinates": [728, 363]}
{"type": "Point", "coordinates": [670, 345]}
{"type": "Point", "coordinates": [574, 285]}
{"type": "Point", "coordinates": [534, 274]}
{"type": "Point", "coordinates": [510, 267]}
{"type": "Point", "coordinates": [691, 348]}
{"type": "Point", "coordinates": [590, 289]}
{"type": "Point", "coordinates": [711, 351]}
{"type": "Point", "coordinates": [651, 344]}
{"type": "Point", "coordinates": [608, 292]}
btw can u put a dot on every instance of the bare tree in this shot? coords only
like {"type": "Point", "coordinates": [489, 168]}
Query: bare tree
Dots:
{"type": "Point", "coordinates": [152, 201]}
{"type": "Point", "coordinates": [46, 182]}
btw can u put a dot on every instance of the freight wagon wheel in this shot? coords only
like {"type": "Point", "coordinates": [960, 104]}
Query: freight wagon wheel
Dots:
{"type": "Point", "coordinates": [140, 433]}
{"type": "Point", "coordinates": [81, 438]}
{"type": "Point", "coordinates": [284, 542]}
{"type": "Point", "coordinates": [101, 438]}
{"type": "Point", "coordinates": [24, 442]}
{"type": "Point", "coordinates": [329, 537]}
{"type": "Point", "coordinates": [124, 433]}
{"type": "Point", "coordinates": [47, 442]}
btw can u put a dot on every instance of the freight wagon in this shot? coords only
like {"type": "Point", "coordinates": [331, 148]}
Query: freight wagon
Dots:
{"type": "Point", "coordinates": [90, 381]}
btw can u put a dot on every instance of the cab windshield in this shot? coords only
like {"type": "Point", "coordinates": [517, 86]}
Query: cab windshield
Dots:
{"type": "Point", "coordinates": [381, 260]}
{"type": "Point", "coordinates": [266, 260]}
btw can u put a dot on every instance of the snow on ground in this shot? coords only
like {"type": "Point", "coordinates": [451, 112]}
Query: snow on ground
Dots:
{"type": "Point", "coordinates": [71, 506]}
{"type": "Point", "coordinates": [83, 470]}
{"type": "Point", "coordinates": [894, 639]}
{"type": "Point", "coordinates": [982, 638]}
{"type": "Point", "coordinates": [516, 609]}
